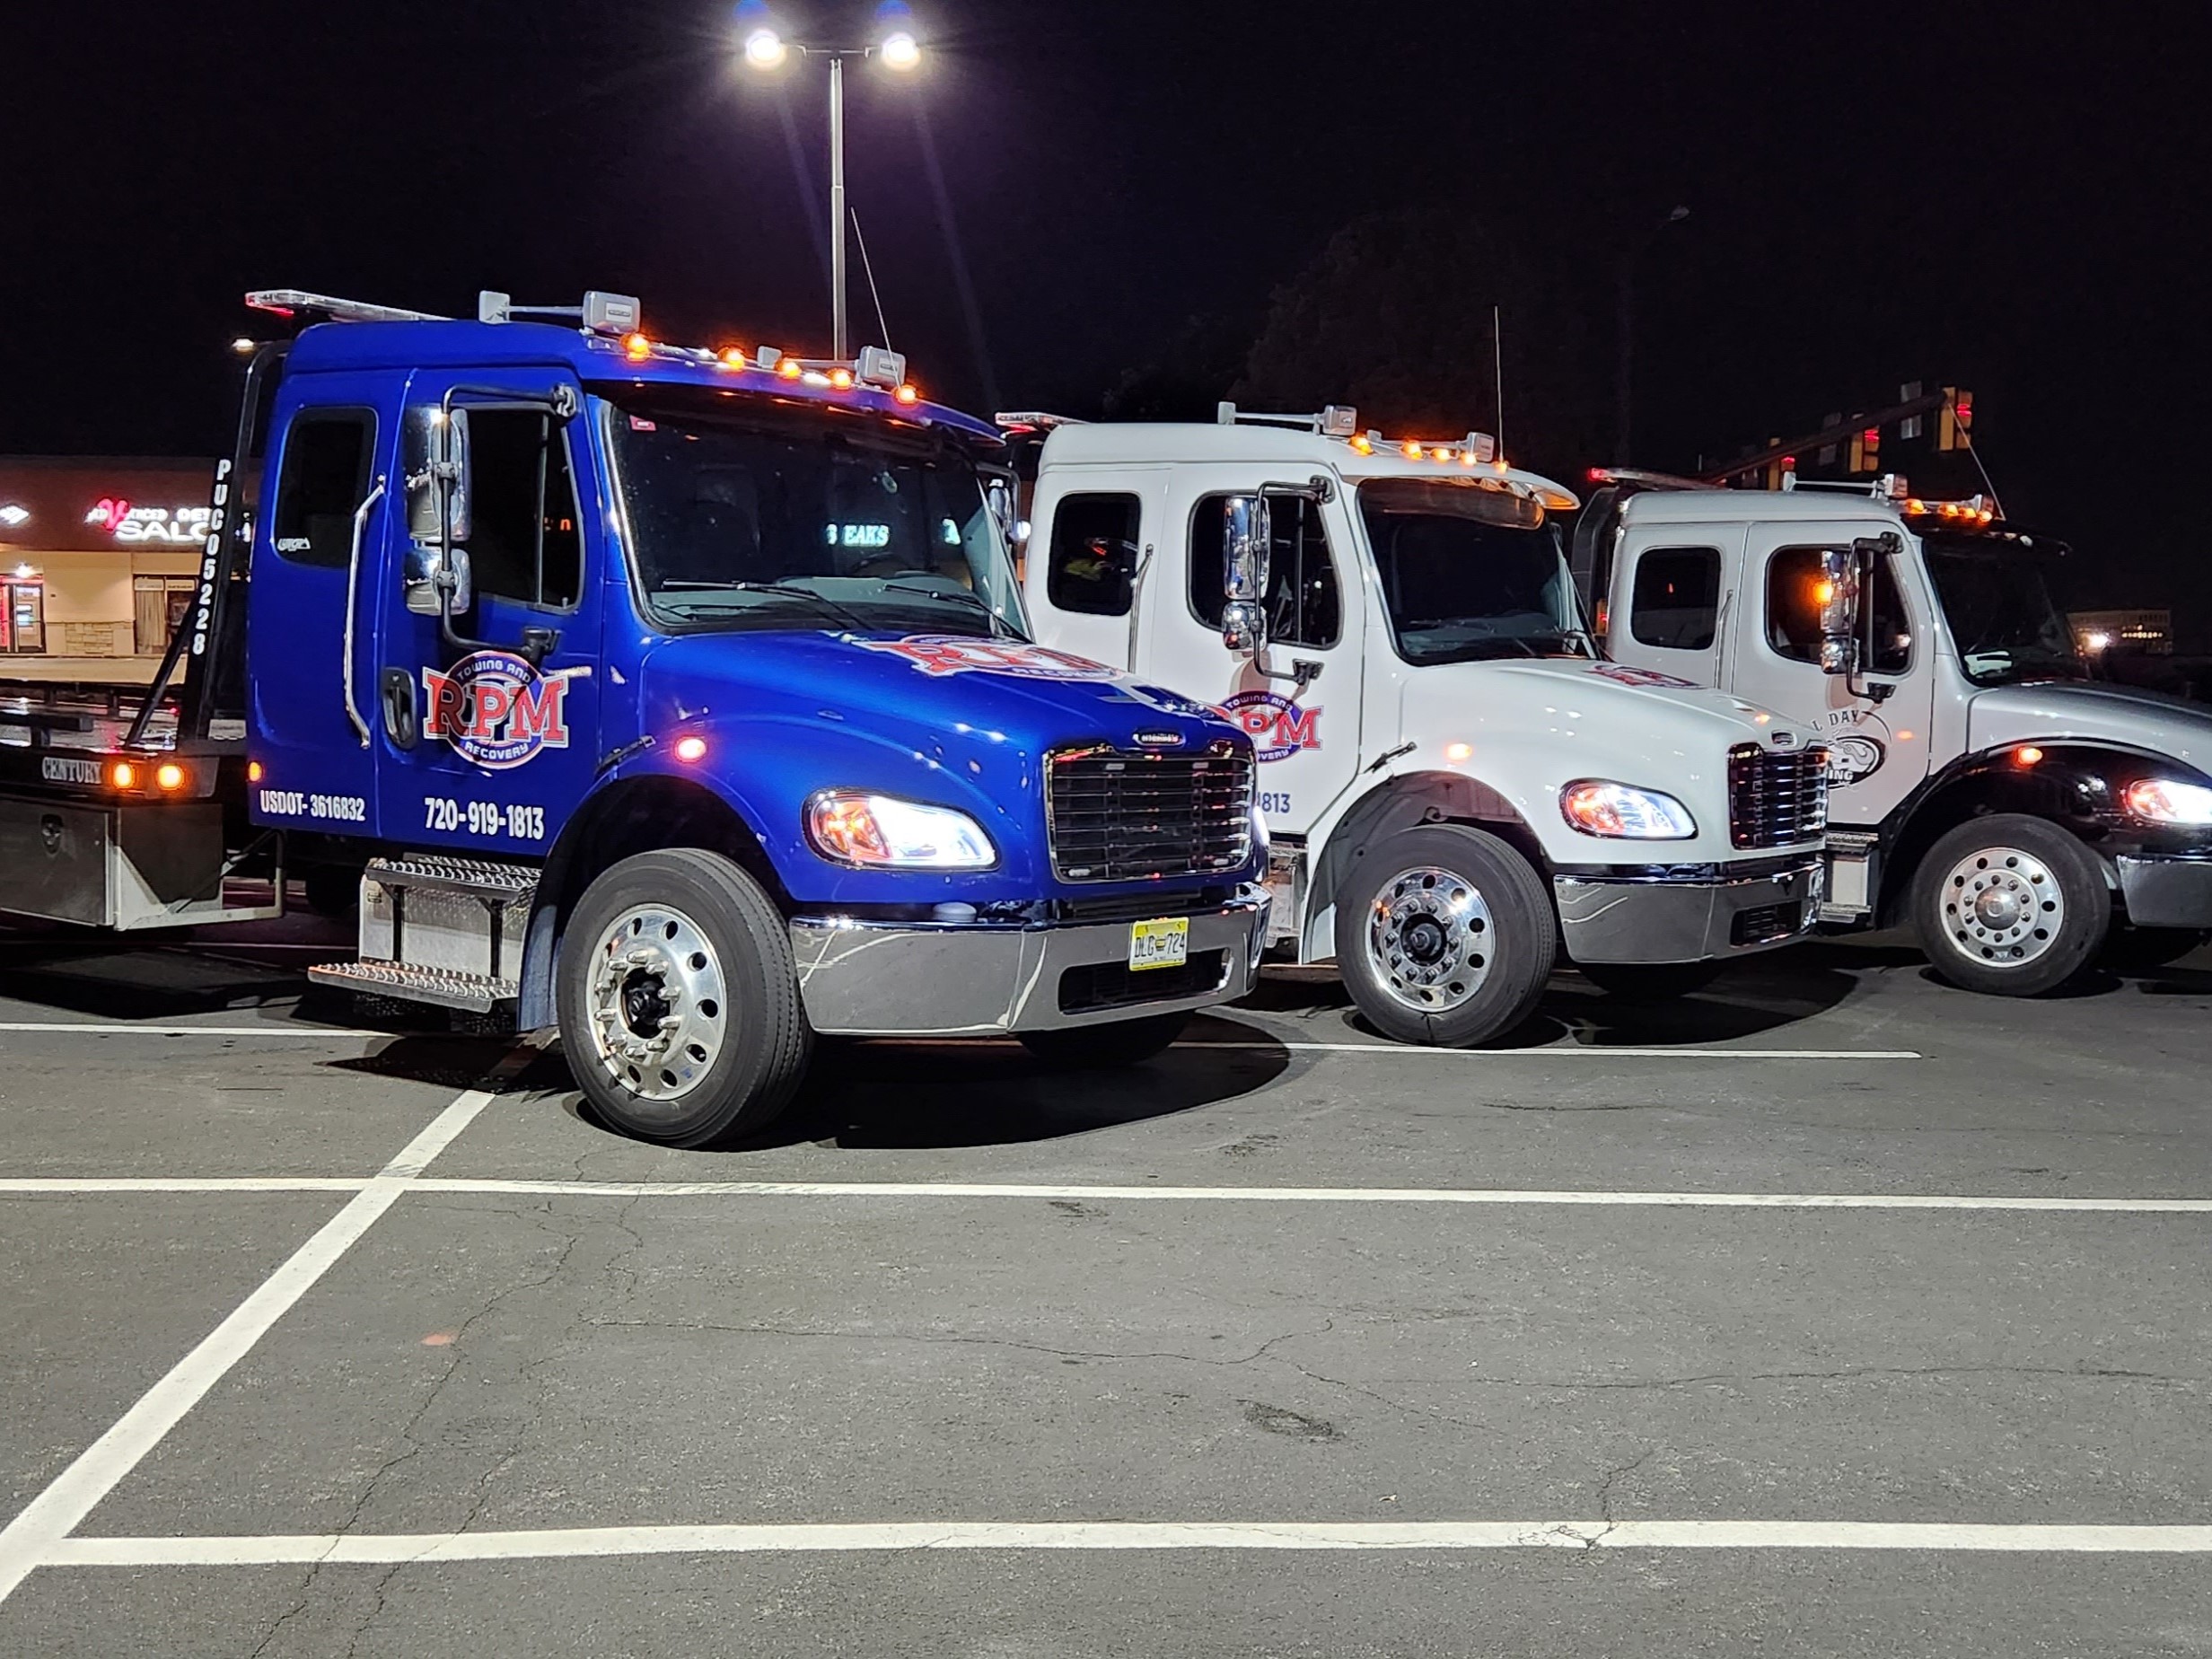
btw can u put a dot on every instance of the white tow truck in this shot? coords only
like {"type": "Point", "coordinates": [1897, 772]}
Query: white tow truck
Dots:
{"type": "Point", "coordinates": [2023, 819]}
{"type": "Point", "coordinates": [1455, 781]}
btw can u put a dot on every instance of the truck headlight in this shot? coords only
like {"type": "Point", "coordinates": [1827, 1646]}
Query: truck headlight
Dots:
{"type": "Point", "coordinates": [875, 831]}
{"type": "Point", "coordinates": [1596, 807]}
{"type": "Point", "coordinates": [2169, 800]}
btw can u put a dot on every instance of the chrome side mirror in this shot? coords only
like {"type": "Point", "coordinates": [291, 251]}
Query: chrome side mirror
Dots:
{"type": "Point", "coordinates": [1837, 590]}
{"type": "Point", "coordinates": [1247, 538]}
{"type": "Point", "coordinates": [421, 570]}
{"type": "Point", "coordinates": [436, 466]}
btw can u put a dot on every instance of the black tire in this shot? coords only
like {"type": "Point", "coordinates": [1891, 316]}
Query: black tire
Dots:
{"type": "Point", "coordinates": [2046, 888]}
{"type": "Point", "coordinates": [2136, 950]}
{"type": "Point", "coordinates": [331, 891]}
{"type": "Point", "coordinates": [1504, 959]}
{"type": "Point", "coordinates": [1106, 1047]}
{"type": "Point", "coordinates": [760, 1038]}
{"type": "Point", "coordinates": [1650, 982]}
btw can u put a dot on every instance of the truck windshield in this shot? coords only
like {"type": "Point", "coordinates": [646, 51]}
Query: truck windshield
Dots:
{"type": "Point", "coordinates": [746, 518]}
{"type": "Point", "coordinates": [1997, 603]}
{"type": "Point", "coordinates": [1470, 573]}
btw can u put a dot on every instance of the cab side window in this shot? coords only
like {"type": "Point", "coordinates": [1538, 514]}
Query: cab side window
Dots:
{"type": "Point", "coordinates": [1302, 602]}
{"type": "Point", "coordinates": [325, 477]}
{"type": "Point", "coordinates": [524, 540]}
{"type": "Point", "coordinates": [1794, 611]}
{"type": "Point", "coordinates": [1093, 554]}
{"type": "Point", "coordinates": [1675, 604]}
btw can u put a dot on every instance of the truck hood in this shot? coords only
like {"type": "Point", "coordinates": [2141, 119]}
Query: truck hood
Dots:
{"type": "Point", "coordinates": [1026, 696]}
{"type": "Point", "coordinates": [2103, 713]}
{"type": "Point", "coordinates": [1601, 696]}
{"type": "Point", "coordinates": [959, 722]}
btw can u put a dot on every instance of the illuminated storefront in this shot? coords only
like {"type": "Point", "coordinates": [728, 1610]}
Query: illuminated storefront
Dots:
{"type": "Point", "coordinates": [98, 558]}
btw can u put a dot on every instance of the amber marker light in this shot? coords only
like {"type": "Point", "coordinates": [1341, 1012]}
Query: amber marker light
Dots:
{"type": "Point", "coordinates": [637, 348]}
{"type": "Point", "coordinates": [841, 380]}
{"type": "Point", "coordinates": [908, 395]}
{"type": "Point", "coordinates": [169, 775]}
{"type": "Point", "coordinates": [735, 357]}
{"type": "Point", "coordinates": [2028, 754]}
{"type": "Point", "coordinates": [690, 750]}
{"type": "Point", "coordinates": [253, 771]}
{"type": "Point", "coordinates": [123, 775]}
{"type": "Point", "coordinates": [791, 368]}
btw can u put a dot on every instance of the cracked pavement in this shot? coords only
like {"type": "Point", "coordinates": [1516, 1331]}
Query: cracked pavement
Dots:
{"type": "Point", "coordinates": [499, 1360]}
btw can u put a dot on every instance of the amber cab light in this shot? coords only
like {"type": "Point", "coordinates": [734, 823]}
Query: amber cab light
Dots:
{"type": "Point", "coordinates": [169, 775]}
{"type": "Point", "coordinates": [253, 771]}
{"type": "Point", "coordinates": [123, 775]}
{"type": "Point", "coordinates": [2028, 754]}
{"type": "Point", "coordinates": [909, 394]}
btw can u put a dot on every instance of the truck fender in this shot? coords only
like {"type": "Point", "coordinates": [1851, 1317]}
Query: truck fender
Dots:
{"type": "Point", "coordinates": [1409, 799]}
{"type": "Point", "coordinates": [2074, 785]}
{"type": "Point", "coordinates": [638, 812]}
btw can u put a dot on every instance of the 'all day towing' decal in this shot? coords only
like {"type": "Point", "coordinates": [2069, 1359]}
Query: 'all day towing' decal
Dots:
{"type": "Point", "coordinates": [1279, 727]}
{"type": "Point", "coordinates": [497, 710]}
{"type": "Point", "coordinates": [937, 655]}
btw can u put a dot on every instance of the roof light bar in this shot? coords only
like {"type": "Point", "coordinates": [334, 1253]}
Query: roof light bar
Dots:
{"type": "Point", "coordinates": [297, 302]}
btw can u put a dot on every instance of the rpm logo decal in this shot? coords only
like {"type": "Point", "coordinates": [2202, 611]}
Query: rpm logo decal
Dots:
{"type": "Point", "coordinates": [938, 656]}
{"type": "Point", "coordinates": [497, 710]}
{"type": "Point", "coordinates": [1628, 676]}
{"type": "Point", "coordinates": [1278, 727]}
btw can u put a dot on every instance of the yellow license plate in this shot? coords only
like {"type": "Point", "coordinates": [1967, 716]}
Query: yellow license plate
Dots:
{"type": "Point", "coordinates": [1164, 944]}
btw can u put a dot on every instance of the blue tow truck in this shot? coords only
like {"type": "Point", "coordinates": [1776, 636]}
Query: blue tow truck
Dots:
{"type": "Point", "coordinates": [680, 699]}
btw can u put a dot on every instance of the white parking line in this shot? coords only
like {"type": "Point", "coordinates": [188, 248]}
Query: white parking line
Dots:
{"type": "Point", "coordinates": [29, 1540]}
{"type": "Point", "coordinates": [62, 1185]}
{"type": "Point", "coordinates": [89, 1027]}
{"type": "Point", "coordinates": [427, 1548]}
{"type": "Point", "coordinates": [1596, 1051]}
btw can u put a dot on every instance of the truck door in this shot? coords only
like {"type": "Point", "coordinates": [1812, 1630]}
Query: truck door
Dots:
{"type": "Point", "coordinates": [490, 745]}
{"type": "Point", "coordinates": [1874, 723]}
{"type": "Point", "coordinates": [1308, 740]}
{"type": "Point", "coordinates": [330, 461]}
{"type": "Point", "coordinates": [1676, 583]}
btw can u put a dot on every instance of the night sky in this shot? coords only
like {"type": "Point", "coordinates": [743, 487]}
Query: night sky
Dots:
{"type": "Point", "coordinates": [2005, 197]}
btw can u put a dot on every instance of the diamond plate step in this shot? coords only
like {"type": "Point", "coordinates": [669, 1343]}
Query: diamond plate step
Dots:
{"type": "Point", "coordinates": [446, 987]}
{"type": "Point", "coordinates": [478, 878]}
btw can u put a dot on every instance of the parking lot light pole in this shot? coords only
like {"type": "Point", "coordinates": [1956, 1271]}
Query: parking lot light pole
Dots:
{"type": "Point", "coordinates": [766, 50]}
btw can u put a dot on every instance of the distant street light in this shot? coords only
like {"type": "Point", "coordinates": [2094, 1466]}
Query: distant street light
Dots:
{"type": "Point", "coordinates": [765, 48]}
{"type": "Point", "coordinates": [1624, 372]}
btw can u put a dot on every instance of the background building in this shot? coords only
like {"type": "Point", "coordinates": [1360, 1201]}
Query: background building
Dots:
{"type": "Point", "coordinates": [2149, 633]}
{"type": "Point", "coordinates": [98, 556]}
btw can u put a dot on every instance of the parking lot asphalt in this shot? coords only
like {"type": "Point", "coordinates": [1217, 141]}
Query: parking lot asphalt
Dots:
{"type": "Point", "coordinates": [1830, 1311]}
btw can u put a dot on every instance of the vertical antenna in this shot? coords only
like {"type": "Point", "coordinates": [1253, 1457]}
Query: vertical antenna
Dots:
{"type": "Point", "coordinates": [868, 264]}
{"type": "Point", "coordinates": [1497, 358]}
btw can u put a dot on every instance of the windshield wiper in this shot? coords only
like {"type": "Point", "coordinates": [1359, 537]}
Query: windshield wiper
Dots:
{"type": "Point", "coordinates": [829, 606]}
{"type": "Point", "coordinates": [973, 600]}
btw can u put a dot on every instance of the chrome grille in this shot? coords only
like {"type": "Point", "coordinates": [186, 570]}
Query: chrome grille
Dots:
{"type": "Point", "coordinates": [1777, 798]}
{"type": "Point", "coordinates": [1117, 815]}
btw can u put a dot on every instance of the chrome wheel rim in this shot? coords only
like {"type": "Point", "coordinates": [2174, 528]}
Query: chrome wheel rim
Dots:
{"type": "Point", "coordinates": [2003, 906]}
{"type": "Point", "coordinates": [1429, 939]}
{"type": "Point", "coordinates": [658, 1014]}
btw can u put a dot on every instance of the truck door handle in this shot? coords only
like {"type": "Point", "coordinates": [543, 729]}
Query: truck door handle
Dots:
{"type": "Point", "coordinates": [397, 693]}
{"type": "Point", "coordinates": [538, 642]}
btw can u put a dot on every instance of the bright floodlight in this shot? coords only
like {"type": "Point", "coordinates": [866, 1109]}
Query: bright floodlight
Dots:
{"type": "Point", "coordinates": [764, 48]}
{"type": "Point", "coordinates": [901, 50]}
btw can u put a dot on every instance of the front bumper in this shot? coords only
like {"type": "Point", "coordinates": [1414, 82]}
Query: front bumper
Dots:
{"type": "Point", "coordinates": [1660, 916]}
{"type": "Point", "coordinates": [2174, 890]}
{"type": "Point", "coordinates": [954, 980]}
